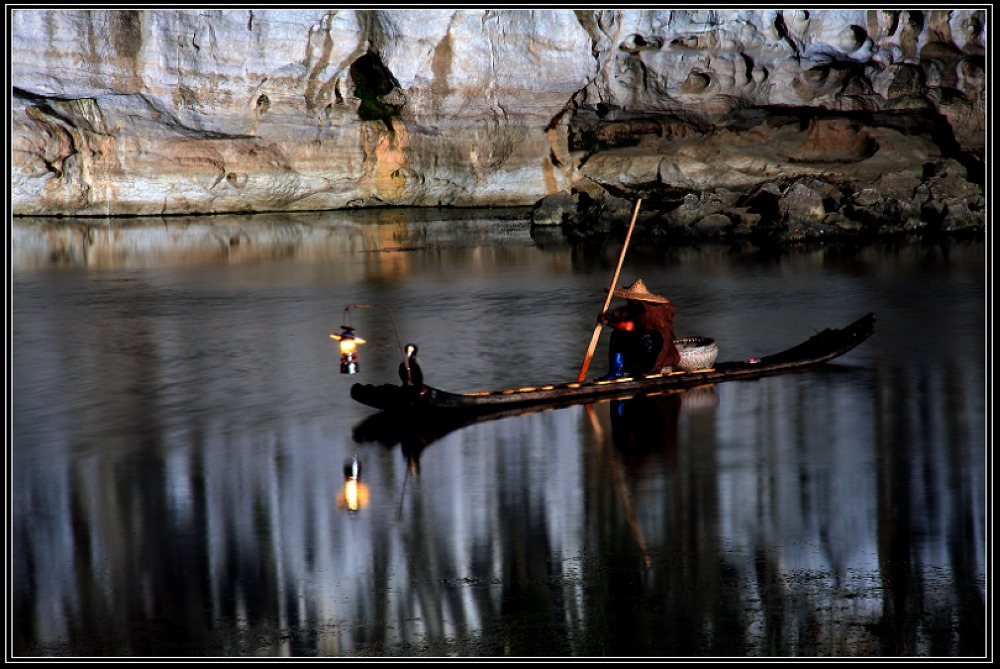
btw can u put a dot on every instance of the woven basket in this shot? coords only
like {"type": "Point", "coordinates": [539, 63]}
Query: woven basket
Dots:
{"type": "Point", "coordinates": [696, 352]}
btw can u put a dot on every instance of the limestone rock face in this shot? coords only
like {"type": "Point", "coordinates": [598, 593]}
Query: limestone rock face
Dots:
{"type": "Point", "coordinates": [156, 112]}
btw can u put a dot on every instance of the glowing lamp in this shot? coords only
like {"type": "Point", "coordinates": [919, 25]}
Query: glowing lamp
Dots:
{"type": "Point", "coordinates": [349, 343]}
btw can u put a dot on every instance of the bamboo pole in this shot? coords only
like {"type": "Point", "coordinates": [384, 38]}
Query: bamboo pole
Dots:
{"type": "Point", "coordinates": [607, 301]}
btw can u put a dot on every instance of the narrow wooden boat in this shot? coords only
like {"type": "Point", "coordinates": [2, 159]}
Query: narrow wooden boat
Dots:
{"type": "Point", "coordinates": [818, 349]}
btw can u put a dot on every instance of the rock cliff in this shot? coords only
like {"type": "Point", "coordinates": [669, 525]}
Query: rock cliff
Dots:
{"type": "Point", "coordinates": [724, 121]}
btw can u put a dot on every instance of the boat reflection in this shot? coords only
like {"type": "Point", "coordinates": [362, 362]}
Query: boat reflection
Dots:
{"type": "Point", "coordinates": [643, 429]}
{"type": "Point", "coordinates": [638, 424]}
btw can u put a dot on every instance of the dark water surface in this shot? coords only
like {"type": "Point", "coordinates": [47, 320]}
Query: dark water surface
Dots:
{"type": "Point", "coordinates": [180, 431]}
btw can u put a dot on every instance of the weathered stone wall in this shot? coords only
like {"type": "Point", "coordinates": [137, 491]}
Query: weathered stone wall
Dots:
{"type": "Point", "coordinates": [189, 111]}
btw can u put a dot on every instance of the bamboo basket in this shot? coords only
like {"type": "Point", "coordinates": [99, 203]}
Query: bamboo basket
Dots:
{"type": "Point", "coordinates": [696, 352]}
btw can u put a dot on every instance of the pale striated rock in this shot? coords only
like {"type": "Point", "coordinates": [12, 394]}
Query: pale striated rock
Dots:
{"type": "Point", "coordinates": [552, 209]}
{"type": "Point", "coordinates": [157, 112]}
{"type": "Point", "coordinates": [802, 204]}
{"type": "Point", "coordinates": [713, 225]}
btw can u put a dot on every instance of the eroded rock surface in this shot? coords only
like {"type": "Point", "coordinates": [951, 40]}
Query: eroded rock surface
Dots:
{"type": "Point", "coordinates": [770, 120]}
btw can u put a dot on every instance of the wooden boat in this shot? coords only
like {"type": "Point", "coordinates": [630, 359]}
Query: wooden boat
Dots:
{"type": "Point", "coordinates": [818, 349]}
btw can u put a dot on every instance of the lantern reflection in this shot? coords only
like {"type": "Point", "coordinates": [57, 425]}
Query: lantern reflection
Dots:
{"type": "Point", "coordinates": [355, 493]}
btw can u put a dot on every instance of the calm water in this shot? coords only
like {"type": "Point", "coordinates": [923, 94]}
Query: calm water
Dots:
{"type": "Point", "coordinates": [180, 431]}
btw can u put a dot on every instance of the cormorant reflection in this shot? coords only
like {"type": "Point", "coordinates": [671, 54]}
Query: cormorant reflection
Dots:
{"type": "Point", "coordinates": [411, 431]}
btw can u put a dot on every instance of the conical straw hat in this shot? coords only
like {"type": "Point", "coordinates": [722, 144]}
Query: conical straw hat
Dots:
{"type": "Point", "coordinates": [638, 291]}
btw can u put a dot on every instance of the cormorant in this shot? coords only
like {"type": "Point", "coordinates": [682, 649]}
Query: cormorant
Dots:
{"type": "Point", "coordinates": [416, 377]}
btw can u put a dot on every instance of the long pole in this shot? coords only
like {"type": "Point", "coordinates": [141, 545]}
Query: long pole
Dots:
{"type": "Point", "coordinates": [607, 301]}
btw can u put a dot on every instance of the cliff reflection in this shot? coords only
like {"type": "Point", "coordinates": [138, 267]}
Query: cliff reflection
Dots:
{"type": "Point", "coordinates": [910, 429]}
{"type": "Point", "coordinates": [191, 241]}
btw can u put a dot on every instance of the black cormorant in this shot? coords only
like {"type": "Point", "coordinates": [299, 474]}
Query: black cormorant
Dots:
{"type": "Point", "coordinates": [416, 376]}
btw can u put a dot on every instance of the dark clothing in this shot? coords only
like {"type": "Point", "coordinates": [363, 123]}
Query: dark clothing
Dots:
{"type": "Point", "coordinates": [643, 336]}
{"type": "Point", "coordinates": [639, 351]}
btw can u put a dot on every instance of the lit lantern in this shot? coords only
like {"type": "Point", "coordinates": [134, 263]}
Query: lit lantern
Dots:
{"type": "Point", "coordinates": [349, 343]}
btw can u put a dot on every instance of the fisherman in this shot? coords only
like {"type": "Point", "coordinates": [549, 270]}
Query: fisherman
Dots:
{"type": "Point", "coordinates": [643, 338]}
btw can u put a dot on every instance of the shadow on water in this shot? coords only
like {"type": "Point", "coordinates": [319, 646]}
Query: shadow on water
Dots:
{"type": "Point", "coordinates": [414, 431]}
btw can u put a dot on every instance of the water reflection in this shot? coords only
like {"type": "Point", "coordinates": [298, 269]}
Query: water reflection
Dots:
{"type": "Point", "coordinates": [645, 435]}
{"type": "Point", "coordinates": [192, 241]}
{"type": "Point", "coordinates": [180, 431]}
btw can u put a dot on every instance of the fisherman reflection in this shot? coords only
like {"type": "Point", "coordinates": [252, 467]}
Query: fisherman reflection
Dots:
{"type": "Point", "coordinates": [644, 430]}
{"type": "Point", "coordinates": [642, 427]}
